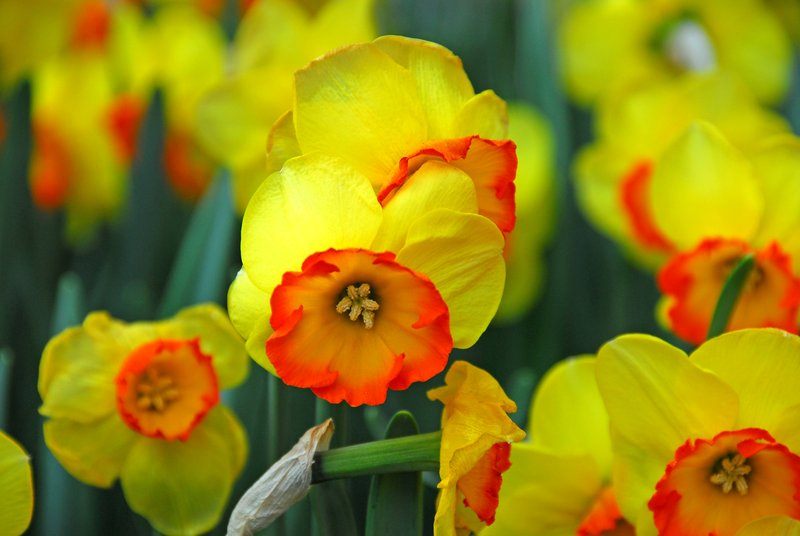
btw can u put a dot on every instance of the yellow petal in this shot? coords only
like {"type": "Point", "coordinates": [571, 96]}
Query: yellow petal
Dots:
{"type": "Point", "coordinates": [777, 166]}
{"type": "Point", "coordinates": [257, 344]}
{"type": "Point", "coordinates": [568, 415]}
{"type": "Point", "coordinates": [282, 143]}
{"type": "Point", "coordinates": [545, 493]}
{"type": "Point", "coordinates": [656, 399]}
{"type": "Point", "coordinates": [246, 181]}
{"type": "Point", "coordinates": [371, 117]}
{"type": "Point", "coordinates": [218, 339]}
{"type": "Point", "coordinates": [183, 487]}
{"type": "Point", "coordinates": [774, 526]}
{"type": "Point", "coordinates": [704, 187]}
{"type": "Point", "coordinates": [16, 481]}
{"type": "Point", "coordinates": [484, 115]}
{"type": "Point", "coordinates": [440, 78]}
{"type": "Point", "coordinates": [761, 365]}
{"type": "Point", "coordinates": [93, 453]}
{"type": "Point", "coordinates": [338, 23]}
{"type": "Point", "coordinates": [270, 32]}
{"type": "Point", "coordinates": [314, 203]}
{"type": "Point", "coordinates": [463, 255]}
{"type": "Point", "coordinates": [436, 185]}
{"type": "Point", "coordinates": [79, 365]}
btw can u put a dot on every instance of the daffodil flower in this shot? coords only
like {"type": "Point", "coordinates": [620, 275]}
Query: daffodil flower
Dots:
{"type": "Point", "coordinates": [535, 208]}
{"type": "Point", "coordinates": [714, 206]}
{"type": "Point", "coordinates": [608, 44]}
{"type": "Point", "coordinates": [140, 403]}
{"type": "Point", "coordinates": [273, 40]}
{"type": "Point", "coordinates": [350, 298]}
{"type": "Point", "coordinates": [389, 106]}
{"type": "Point", "coordinates": [476, 438]}
{"type": "Point", "coordinates": [709, 443]}
{"type": "Point", "coordinates": [16, 487]}
{"type": "Point", "coordinates": [559, 483]}
{"type": "Point", "coordinates": [634, 129]}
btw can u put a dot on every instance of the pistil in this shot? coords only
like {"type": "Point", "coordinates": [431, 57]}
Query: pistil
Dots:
{"type": "Point", "coordinates": [732, 473]}
{"type": "Point", "coordinates": [155, 391]}
{"type": "Point", "coordinates": [357, 303]}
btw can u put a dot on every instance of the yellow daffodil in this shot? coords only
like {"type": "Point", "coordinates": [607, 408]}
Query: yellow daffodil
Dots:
{"type": "Point", "coordinates": [476, 437]}
{"type": "Point", "coordinates": [187, 57]}
{"type": "Point", "coordinates": [788, 12]}
{"type": "Point", "coordinates": [609, 44]}
{"type": "Point", "coordinates": [535, 200]}
{"type": "Point", "coordinates": [704, 444]}
{"type": "Point", "coordinates": [140, 403]}
{"type": "Point", "coordinates": [388, 106]}
{"type": "Point", "coordinates": [634, 129]}
{"type": "Point", "coordinates": [351, 298]}
{"type": "Point", "coordinates": [16, 483]}
{"type": "Point", "coordinates": [274, 39]}
{"type": "Point", "coordinates": [559, 483]}
{"type": "Point", "coordinates": [87, 105]}
{"type": "Point", "coordinates": [713, 205]}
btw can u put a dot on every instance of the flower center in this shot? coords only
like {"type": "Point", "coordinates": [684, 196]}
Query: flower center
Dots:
{"type": "Point", "coordinates": [356, 302]}
{"type": "Point", "coordinates": [155, 390]}
{"type": "Point", "coordinates": [732, 473]}
{"type": "Point", "coordinates": [165, 388]}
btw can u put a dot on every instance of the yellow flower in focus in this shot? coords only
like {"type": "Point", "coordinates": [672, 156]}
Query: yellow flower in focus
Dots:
{"type": "Point", "coordinates": [348, 298]}
{"type": "Point", "coordinates": [704, 444]}
{"type": "Point", "coordinates": [274, 39]}
{"type": "Point", "coordinates": [476, 437]}
{"type": "Point", "coordinates": [559, 483]}
{"type": "Point", "coordinates": [611, 44]}
{"type": "Point", "coordinates": [140, 402]}
{"type": "Point", "coordinates": [389, 106]}
{"type": "Point", "coordinates": [87, 106]}
{"type": "Point", "coordinates": [186, 54]}
{"type": "Point", "coordinates": [634, 129]}
{"type": "Point", "coordinates": [16, 483]}
{"type": "Point", "coordinates": [535, 208]}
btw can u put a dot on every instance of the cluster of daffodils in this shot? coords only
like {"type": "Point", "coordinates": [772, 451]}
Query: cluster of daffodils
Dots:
{"type": "Point", "coordinates": [644, 439]}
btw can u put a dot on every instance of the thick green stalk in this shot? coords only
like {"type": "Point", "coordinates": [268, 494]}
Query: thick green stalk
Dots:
{"type": "Point", "coordinates": [403, 454]}
{"type": "Point", "coordinates": [730, 295]}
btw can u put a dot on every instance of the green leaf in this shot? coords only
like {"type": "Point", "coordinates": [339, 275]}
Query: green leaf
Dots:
{"type": "Point", "coordinates": [6, 363]}
{"type": "Point", "coordinates": [730, 295]}
{"type": "Point", "coordinates": [395, 500]}
{"type": "Point", "coordinates": [200, 272]}
{"type": "Point", "coordinates": [70, 307]}
{"type": "Point", "coordinates": [332, 510]}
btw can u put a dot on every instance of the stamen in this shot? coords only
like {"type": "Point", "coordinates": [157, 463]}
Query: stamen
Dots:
{"type": "Point", "coordinates": [358, 303]}
{"type": "Point", "coordinates": [155, 391]}
{"type": "Point", "coordinates": [732, 473]}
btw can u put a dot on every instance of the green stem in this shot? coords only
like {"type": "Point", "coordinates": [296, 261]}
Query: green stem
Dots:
{"type": "Point", "coordinates": [275, 434]}
{"type": "Point", "coordinates": [403, 454]}
{"type": "Point", "coordinates": [730, 295]}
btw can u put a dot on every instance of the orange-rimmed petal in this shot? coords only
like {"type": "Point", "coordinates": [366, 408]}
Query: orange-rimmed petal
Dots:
{"type": "Point", "coordinates": [604, 518]}
{"type": "Point", "coordinates": [51, 167]}
{"type": "Point", "coordinates": [491, 164]}
{"type": "Point", "coordinates": [481, 485]}
{"type": "Point", "coordinates": [634, 196]}
{"type": "Point", "coordinates": [123, 119]}
{"type": "Point", "coordinates": [694, 279]}
{"type": "Point", "coordinates": [691, 499]}
{"type": "Point", "coordinates": [165, 388]}
{"type": "Point", "coordinates": [343, 353]}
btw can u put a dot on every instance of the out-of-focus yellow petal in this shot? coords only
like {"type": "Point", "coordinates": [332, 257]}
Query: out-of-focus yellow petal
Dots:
{"type": "Point", "coordinates": [268, 34]}
{"type": "Point", "coordinates": [183, 487]}
{"type": "Point", "coordinates": [752, 44]}
{"type": "Point", "coordinates": [218, 338]}
{"type": "Point", "coordinates": [16, 481]}
{"type": "Point", "coordinates": [371, 118]}
{"type": "Point", "coordinates": [441, 81]}
{"type": "Point", "coordinates": [338, 23]}
{"type": "Point", "coordinates": [484, 115]}
{"type": "Point", "coordinates": [463, 255]}
{"type": "Point", "coordinates": [314, 203]}
{"type": "Point", "coordinates": [246, 181]}
{"type": "Point", "coordinates": [435, 185]}
{"type": "Point", "coordinates": [78, 367]}
{"type": "Point", "coordinates": [674, 400]}
{"type": "Point", "coordinates": [545, 493]}
{"type": "Point", "coordinates": [774, 526]}
{"type": "Point", "coordinates": [704, 187]}
{"type": "Point", "coordinates": [568, 415]}
{"type": "Point", "coordinates": [762, 366]}
{"type": "Point", "coordinates": [777, 167]}
{"type": "Point", "coordinates": [93, 453]}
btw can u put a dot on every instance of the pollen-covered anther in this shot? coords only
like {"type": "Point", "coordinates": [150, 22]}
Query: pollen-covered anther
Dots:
{"type": "Point", "coordinates": [358, 302]}
{"type": "Point", "coordinates": [155, 391]}
{"type": "Point", "coordinates": [732, 473]}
